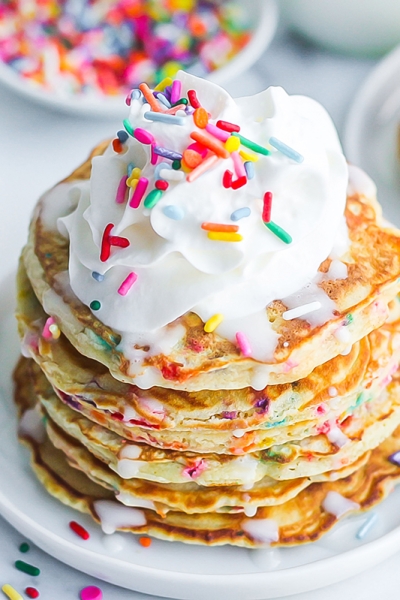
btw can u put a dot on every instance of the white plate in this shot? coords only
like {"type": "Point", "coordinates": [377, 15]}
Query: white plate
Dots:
{"type": "Point", "coordinates": [264, 18]}
{"type": "Point", "coordinates": [167, 569]}
{"type": "Point", "coordinates": [370, 138]}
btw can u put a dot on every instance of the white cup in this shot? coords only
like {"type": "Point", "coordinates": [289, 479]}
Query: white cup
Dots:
{"type": "Point", "coordinates": [359, 27]}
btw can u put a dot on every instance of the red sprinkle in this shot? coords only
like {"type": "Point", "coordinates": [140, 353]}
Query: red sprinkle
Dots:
{"type": "Point", "coordinates": [227, 179]}
{"type": "Point", "coordinates": [117, 146]}
{"type": "Point", "coordinates": [226, 126]}
{"type": "Point", "coordinates": [79, 530]}
{"type": "Point", "coordinates": [193, 99]}
{"type": "Point", "coordinates": [116, 240]}
{"type": "Point", "coordinates": [105, 243]}
{"type": "Point", "coordinates": [32, 592]}
{"type": "Point", "coordinates": [161, 185]}
{"type": "Point", "coordinates": [266, 215]}
{"type": "Point", "coordinates": [239, 182]}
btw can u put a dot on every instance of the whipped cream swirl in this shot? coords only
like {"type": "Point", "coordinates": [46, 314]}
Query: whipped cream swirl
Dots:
{"type": "Point", "coordinates": [178, 267]}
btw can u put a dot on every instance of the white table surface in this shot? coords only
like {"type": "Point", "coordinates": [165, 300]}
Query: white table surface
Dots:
{"type": "Point", "coordinates": [39, 147]}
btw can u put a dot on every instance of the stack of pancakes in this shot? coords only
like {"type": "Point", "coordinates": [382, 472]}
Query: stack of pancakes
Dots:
{"type": "Point", "coordinates": [206, 458]}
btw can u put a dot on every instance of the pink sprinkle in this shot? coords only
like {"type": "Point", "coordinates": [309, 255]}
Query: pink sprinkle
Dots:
{"type": "Point", "coordinates": [174, 109]}
{"type": "Point", "coordinates": [122, 190]}
{"type": "Point", "coordinates": [139, 192]}
{"type": "Point", "coordinates": [238, 164]}
{"type": "Point", "coordinates": [91, 592]}
{"type": "Point", "coordinates": [195, 470]}
{"type": "Point", "coordinates": [143, 136]}
{"type": "Point", "coordinates": [217, 132]}
{"type": "Point", "coordinates": [289, 365]}
{"type": "Point", "coordinates": [46, 333]}
{"type": "Point", "coordinates": [243, 344]}
{"type": "Point", "coordinates": [209, 162]}
{"type": "Point", "coordinates": [154, 157]}
{"type": "Point", "coordinates": [127, 284]}
{"type": "Point", "coordinates": [176, 91]}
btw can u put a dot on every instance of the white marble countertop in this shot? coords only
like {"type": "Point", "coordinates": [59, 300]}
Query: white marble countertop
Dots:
{"type": "Point", "coordinates": [39, 147]}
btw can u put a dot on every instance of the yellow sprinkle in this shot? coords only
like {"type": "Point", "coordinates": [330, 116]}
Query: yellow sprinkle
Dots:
{"type": "Point", "coordinates": [11, 593]}
{"type": "Point", "coordinates": [132, 182]}
{"type": "Point", "coordinates": [55, 331]}
{"type": "Point", "coordinates": [184, 5]}
{"type": "Point", "coordinates": [232, 144]}
{"type": "Point", "coordinates": [160, 87]}
{"type": "Point", "coordinates": [248, 156]}
{"type": "Point", "coordinates": [224, 237]}
{"type": "Point", "coordinates": [213, 323]}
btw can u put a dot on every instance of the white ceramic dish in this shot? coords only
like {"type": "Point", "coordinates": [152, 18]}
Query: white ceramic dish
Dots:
{"type": "Point", "coordinates": [370, 138]}
{"type": "Point", "coordinates": [264, 17]}
{"type": "Point", "coordinates": [171, 569]}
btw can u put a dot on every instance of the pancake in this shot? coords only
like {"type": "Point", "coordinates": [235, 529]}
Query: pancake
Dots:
{"type": "Point", "coordinates": [301, 519]}
{"type": "Point", "coordinates": [201, 360]}
{"type": "Point", "coordinates": [210, 421]}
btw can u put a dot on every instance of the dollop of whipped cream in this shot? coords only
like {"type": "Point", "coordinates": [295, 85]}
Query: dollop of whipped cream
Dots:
{"type": "Point", "coordinates": [178, 267]}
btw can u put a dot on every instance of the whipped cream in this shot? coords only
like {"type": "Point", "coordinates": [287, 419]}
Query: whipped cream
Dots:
{"type": "Point", "coordinates": [178, 268]}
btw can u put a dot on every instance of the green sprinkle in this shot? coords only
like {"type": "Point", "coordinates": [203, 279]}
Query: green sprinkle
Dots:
{"type": "Point", "coordinates": [251, 145]}
{"type": "Point", "coordinates": [279, 232]}
{"type": "Point", "coordinates": [176, 165]}
{"type": "Point", "coordinates": [95, 305]}
{"type": "Point", "coordinates": [26, 568]}
{"type": "Point", "coordinates": [152, 198]}
{"type": "Point", "coordinates": [349, 319]}
{"type": "Point", "coordinates": [24, 547]}
{"type": "Point", "coordinates": [128, 126]}
{"type": "Point", "coordinates": [181, 101]}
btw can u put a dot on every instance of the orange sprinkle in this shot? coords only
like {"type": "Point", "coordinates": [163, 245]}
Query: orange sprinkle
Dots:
{"type": "Point", "coordinates": [219, 227]}
{"type": "Point", "coordinates": [117, 146]}
{"type": "Point", "coordinates": [192, 158]}
{"type": "Point", "coordinates": [145, 542]}
{"type": "Point", "coordinates": [147, 93]}
{"type": "Point", "coordinates": [200, 117]}
{"type": "Point", "coordinates": [211, 143]}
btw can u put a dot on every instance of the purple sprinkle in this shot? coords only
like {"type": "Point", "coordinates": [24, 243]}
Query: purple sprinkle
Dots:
{"type": "Point", "coordinates": [395, 458]}
{"type": "Point", "coordinates": [263, 404]}
{"type": "Point", "coordinates": [229, 415]}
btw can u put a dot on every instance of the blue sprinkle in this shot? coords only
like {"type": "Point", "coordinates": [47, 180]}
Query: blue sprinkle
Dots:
{"type": "Point", "coordinates": [97, 276]}
{"type": "Point", "coordinates": [163, 100]}
{"type": "Point", "coordinates": [240, 213]}
{"type": "Point", "coordinates": [173, 212]}
{"type": "Point", "coordinates": [164, 118]}
{"type": "Point", "coordinates": [395, 458]}
{"type": "Point", "coordinates": [159, 167]}
{"type": "Point", "coordinates": [287, 150]}
{"type": "Point", "coordinates": [249, 166]}
{"type": "Point", "coordinates": [122, 135]}
{"type": "Point", "coordinates": [130, 168]}
{"type": "Point", "coordinates": [364, 529]}
{"type": "Point", "coordinates": [136, 94]}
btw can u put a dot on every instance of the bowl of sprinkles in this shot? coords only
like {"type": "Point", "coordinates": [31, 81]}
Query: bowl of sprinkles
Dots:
{"type": "Point", "coordinates": [83, 55]}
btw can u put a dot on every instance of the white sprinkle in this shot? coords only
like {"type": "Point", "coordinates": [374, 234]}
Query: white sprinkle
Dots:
{"type": "Point", "coordinates": [172, 175]}
{"type": "Point", "coordinates": [285, 344]}
{"type": "Point", "coordinates": [130, 451]}
{"type": "Point", "coordinates": [288, 315]}
{"type": "Point", "coordinates": [332, 391]}
{"type": "Point", "coordinates": [364, 529]}
{"type": "Point", "coordinates": [337, 505]}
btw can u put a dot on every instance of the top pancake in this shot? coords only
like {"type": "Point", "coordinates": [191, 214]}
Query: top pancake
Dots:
{"type": "Point", "coordinates": [203, 360]}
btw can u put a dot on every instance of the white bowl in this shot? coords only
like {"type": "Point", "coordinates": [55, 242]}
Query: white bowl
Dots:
{"type": "Point", "coordinates": [264, 18]}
